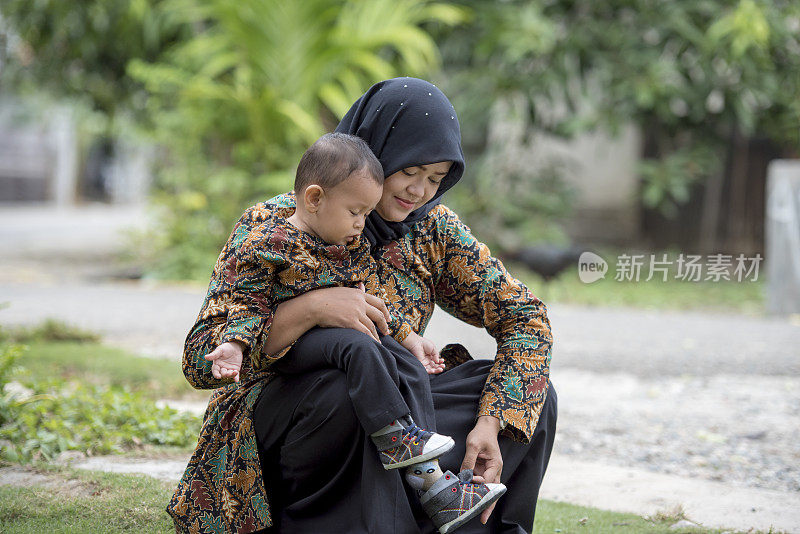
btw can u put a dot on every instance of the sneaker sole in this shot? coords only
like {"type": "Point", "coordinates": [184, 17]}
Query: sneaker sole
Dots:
{"type": "Point", "coordinates": [435, 453]}
{"type": "Point", "coordinates": [484, 503]}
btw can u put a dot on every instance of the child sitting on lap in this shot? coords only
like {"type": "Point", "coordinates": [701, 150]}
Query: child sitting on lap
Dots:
{"type": "Point", "coordinates": [338, 182]}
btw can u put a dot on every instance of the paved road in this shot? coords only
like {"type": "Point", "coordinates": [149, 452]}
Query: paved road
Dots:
{"type": "Point", "coordinates": [155, 318]}
{"type": "Point", "coordinates": [54, 262]}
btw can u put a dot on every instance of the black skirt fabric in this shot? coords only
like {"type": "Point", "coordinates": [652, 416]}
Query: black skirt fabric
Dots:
{"type": "Point", "coordinates": [324, 472]}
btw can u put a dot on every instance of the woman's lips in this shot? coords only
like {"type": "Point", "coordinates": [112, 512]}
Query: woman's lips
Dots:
{"type": "Point", "coordinates": [404, 203]}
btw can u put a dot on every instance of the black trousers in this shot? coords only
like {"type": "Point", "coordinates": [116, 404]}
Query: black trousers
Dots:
{"type": "Point", "coordinates": [384, 380]}
{"type": "Point", "coordinates": [324, 476]}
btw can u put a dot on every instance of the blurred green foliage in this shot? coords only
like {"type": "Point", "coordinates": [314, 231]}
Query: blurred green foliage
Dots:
{"type": "Point", "coordinates": [234, 91]}
{"type": "Point", "coordinates": [692, 74]}
{"type": "Point", "coordinates": [81, 49]}
{"type": "Point", "coordinates": [258, 82]}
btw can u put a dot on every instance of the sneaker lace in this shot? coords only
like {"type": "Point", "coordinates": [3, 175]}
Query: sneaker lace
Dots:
{"type": "Point", "coordinates": [416, 433]}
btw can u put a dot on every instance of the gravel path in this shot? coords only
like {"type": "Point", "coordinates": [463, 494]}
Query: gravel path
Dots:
{"type": "Point", "coordinates": [739, 429]}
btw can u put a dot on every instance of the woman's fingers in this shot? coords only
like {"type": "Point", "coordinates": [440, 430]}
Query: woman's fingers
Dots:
{"type": "Point", "coordinates": [377, 318]}
{"type": "Point", "coordinates": [345, 307]}
{"type": "Point", "coordinates": [486, 513]}
{"type": "Point", "coordinates": [492, 471]}
{"type": "Point", "coordinates": [469, 458]}
{"type": "Point", "coordinates": [368, 327]}
{"type": "Point", "coordinates": [380, 305]}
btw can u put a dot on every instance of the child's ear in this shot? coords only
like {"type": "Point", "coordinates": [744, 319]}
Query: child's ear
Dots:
{"type": "Point", "coordinates": [312, 197]}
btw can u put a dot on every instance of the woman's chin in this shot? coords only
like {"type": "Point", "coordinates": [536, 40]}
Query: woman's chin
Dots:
{"type": "Point", "coordinates": [394, 215]}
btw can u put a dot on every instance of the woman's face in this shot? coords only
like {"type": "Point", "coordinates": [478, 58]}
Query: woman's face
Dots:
{"type": "Point", "coordinates": [410, 188]}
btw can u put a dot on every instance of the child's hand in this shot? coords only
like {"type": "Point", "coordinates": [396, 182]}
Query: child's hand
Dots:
{"type": "Point", "coordinates": [425, 351]}
{"type": "Point", "coordinates": [227, 360]}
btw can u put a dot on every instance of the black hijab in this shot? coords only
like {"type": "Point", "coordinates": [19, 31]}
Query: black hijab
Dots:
{"type": "Point", "coordinates": [406, 122]}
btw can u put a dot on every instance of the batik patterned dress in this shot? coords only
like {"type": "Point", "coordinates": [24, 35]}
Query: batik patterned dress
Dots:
{"type": "Point", "coordinates": [437, 262]}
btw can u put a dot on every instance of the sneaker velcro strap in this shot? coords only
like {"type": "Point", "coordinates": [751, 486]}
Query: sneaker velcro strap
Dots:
{"type": "Point", "coordinates": [465, 476]}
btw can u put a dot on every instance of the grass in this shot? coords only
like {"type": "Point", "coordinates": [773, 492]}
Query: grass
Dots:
{"type": "Point", "coordinates": [49, 330]}
{"type": "Point", "coordinates": [555, 517]}
{"type": "Point", "coordinates": [91, 502]}
{"type": "Point", "coordinates": [98, 364]}
{"type": "Point", "coordinates": [733, 297]}
{"type": "Point", "coordinates": [56, 350]}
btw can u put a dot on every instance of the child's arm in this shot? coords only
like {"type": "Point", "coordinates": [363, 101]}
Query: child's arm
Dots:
{"type": "Point", "coordinates": [252, 305]}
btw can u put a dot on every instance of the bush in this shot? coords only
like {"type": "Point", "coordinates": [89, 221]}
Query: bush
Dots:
{"type": "Point", "coordinates": [48, 330]}
{"type": "Point", "coordinates": [39, 420]}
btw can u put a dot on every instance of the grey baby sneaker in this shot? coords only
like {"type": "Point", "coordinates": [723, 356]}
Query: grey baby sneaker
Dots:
{"type": "Point", "coordinates": [403, 443]}
{"type": "Point", "coordinates": [454, 500]}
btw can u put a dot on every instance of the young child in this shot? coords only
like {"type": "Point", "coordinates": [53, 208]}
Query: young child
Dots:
{"type": "Point", "coordinates": [338, 182]}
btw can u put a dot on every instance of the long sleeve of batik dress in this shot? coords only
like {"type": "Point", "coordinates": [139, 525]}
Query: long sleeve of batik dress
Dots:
{"type": "Point", "coordinates": [475, 287]}
{"type": "Point", "coordinates": [253, 301]}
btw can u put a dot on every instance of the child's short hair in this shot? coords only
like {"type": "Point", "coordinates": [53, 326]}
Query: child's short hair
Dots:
{"type": "Point", "coordinates": [332, 158]}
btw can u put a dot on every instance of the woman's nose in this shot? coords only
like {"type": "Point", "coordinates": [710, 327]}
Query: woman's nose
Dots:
{"type": "Point", "coordinates": [416, 188]}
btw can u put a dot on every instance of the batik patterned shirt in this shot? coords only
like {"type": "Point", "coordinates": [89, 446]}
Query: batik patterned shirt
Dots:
{"type": "Point", "coordinates": [439, 262]}
{"type": "Point", "coordinates": [277, 262]}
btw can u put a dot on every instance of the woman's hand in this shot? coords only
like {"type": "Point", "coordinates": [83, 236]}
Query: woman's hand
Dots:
{"type": "Point", "coordinates": [483, 455]}
{"type": "Point", "coordinates": [341, 307]}
{"type": "Point", "coordinates": [345, 307]}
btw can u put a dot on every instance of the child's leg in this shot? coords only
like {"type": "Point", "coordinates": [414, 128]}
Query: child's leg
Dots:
{"type": "Point", "coordinates": [379, 382]}
{"type": "Point", "coordinates": [373, 378]}
{"type": "Point", "coordinates": [415, 385]}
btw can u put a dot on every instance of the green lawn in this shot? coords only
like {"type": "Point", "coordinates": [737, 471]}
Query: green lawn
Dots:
{"type": "Point", "coordinates": [98, 364]}
{"type": "Point", "coordinates": [102, 502]}
{"type": "Point", "coordinates": [732, 297]}
{"type": "Point", "coordinates": [554, 517]}
{"type": "Point", "coordinates": [94, 503]}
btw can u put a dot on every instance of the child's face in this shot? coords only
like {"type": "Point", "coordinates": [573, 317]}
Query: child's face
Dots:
{"type": "Point", "coordinates": [342, 210]}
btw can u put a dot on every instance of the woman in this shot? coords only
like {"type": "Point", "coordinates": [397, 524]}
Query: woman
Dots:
{"type": "Point", "coordinates": [294, 441]}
